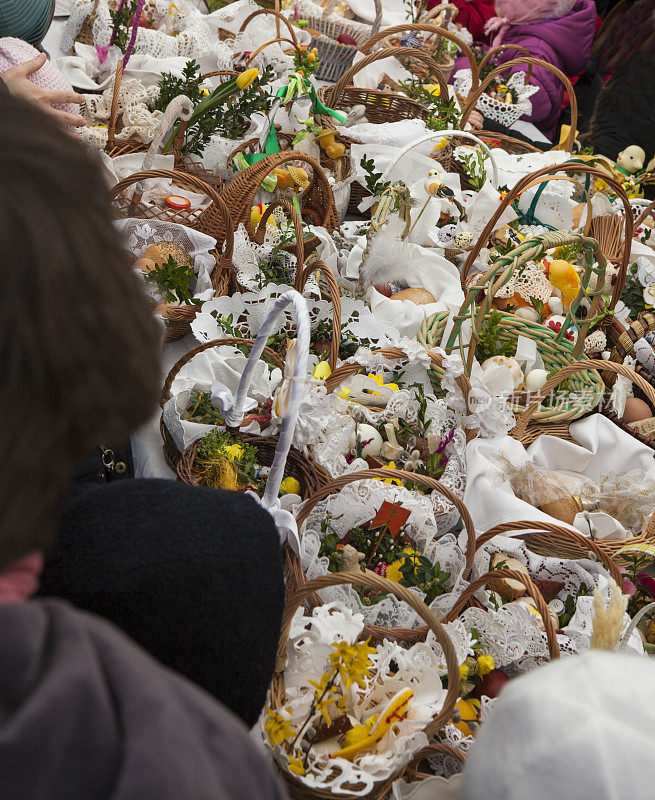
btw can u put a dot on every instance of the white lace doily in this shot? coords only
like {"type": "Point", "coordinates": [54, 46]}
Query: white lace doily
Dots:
{"type": "Point", "coordinates": [134, 117]}
{"type": "Point", "coordinates": [504, 113]}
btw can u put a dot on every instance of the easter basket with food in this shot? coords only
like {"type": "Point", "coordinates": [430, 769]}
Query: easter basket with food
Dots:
{"type": "Point", "coordinates": [188, 412]}
{"type": "Point", "coordinates": [335, 38]}
{"type": "Point", "coordinates": [344, 717]}
{"type": "Point", "coordinates": [177, 264]}
{"type": "Point", "coordinates": [502, 341]}
{"type": "Point", "coordinates": [181, 274]}
{"type": "Point", "coordinates": [316, 200]}
{"type": "Point", "coordinates": [386, 521]}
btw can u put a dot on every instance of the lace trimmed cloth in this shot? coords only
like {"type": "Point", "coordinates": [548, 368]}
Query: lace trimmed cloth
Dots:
{"type": "Point", "coordinates": [504, 113]}
{"type": "Point", "coordinates": [135, 119]}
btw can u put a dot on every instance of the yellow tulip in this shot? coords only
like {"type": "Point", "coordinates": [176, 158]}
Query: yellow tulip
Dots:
{"type": "Point", "coordinates": [322, 371]}
{"type": "Point", "coordinates": [246, 78]}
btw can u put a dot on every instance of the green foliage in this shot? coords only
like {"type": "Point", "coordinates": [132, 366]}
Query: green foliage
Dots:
{"type": "Point", "coordinates": [230, 119]}
{"type": "Point", "coordinates": [636, 563]}
{"type": "Point", "coordinates": [121, 22]}
{"type": "Point", "coordinates": [175, 280]}
{"type": "Point", "coordinates": [633, 292]}
{"type": "Point", "coordinates": [473, 163]}
{"type": "Point", "coordinates": [491, 343]}
{"type": "Point", "coordinates": [569, 252]}
{"type": "Point", "coordinates": [372, 178]}
{"type": "Point", "coordinates": [201, 409]}
{"type": "Point", "coordinates": [418, 571]}
{"type": "Point", "coordinates": [444, 112]}
{"type": "Point", "coordinates": [212, 454]}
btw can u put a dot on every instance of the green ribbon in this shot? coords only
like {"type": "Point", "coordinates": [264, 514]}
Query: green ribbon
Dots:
{"type": "Point", "coordinates": [297, 86]}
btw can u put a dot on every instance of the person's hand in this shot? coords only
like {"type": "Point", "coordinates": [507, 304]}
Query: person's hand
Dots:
{"type": "Point", "coordinates": [18, 82]}
{"type": "Point", "coordinates": [476, 120]}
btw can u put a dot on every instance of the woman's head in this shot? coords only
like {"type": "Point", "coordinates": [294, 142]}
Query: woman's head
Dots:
{"type": "Point", "coordinates": [78, 344]}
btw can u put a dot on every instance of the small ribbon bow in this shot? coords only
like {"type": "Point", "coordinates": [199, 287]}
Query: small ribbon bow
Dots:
{"type": "Point", "coordinates": [223, 398]}
{"type": "Point", "coordinates": [285, 522]}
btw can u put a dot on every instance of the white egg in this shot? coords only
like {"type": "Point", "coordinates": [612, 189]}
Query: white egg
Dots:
{"type": "Point", "coordinates": [529, 313]}
{"type": "Point", "coordinates": [463, 239]}
{"type": "Point", "coordinates": [446, 234]}
{"type": "Point", "coordinates": [511, 364]}
{"type": "Point", "coordinates": [370, 437]}
{"type": "Point", "coordinates": [535, 379]}
{"type": "Point", "coordinates": [555, 304]}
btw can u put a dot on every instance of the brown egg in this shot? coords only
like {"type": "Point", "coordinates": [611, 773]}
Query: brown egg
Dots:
{"type": "Point", "coordinates": [419, 296]}
{"type": "Point", "coordinates": [636, 410]}
{"type": "Point", "coordinates": [145, 264]}
{"type": "Point", "coordinates": [160, 251]}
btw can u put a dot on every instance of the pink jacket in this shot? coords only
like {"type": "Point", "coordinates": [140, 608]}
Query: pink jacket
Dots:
{"type": "Point", "coordinates": [16, 51]}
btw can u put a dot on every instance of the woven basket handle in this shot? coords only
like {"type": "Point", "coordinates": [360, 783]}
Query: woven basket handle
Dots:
{"type": "Point", "coordinates": [297, 226]}
{"type": "Point", "coordinates": [374, 581]}
{"type": "Point", "coordinates": [527, 180]}
{"type": "Point", "coordinates": [449, 10]}
{"type": "Point", "coordinates": [571, 369]}
{"type": "Point", "coordinates": [491, 54]}
{"type": "Point", "coordinates": [383, 474]}
{"type": "Point", "coordinates": [434, 30]}
{"type": "Point", "coordinates": [448, 134]}
{"type": "Point", "coordinates": [533, 592]}
{"type": "Point", "coordinates": [561, 533]}
{"type": "Point", "coordinates": [113, 113]}
{"type": "Point", "coordinates": [335, 300]}
{"type": "Point", "coordinates": [334, 93]}
{"type": "Point", "coordinates": [476, 93]}
{"type": "Point", "coordinates": [277, 40]}
{"type": "Point", "coordinates": [193, 183]}
{"type": "Point", "coordinates": [230, 340]}
{"type": "Point", "coordinates": [279, 19]}
{"type": "Point", "coordinates": [644, 214]}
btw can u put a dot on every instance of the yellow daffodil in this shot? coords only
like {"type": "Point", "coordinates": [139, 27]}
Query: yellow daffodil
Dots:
{"type": "Point", "coordinates": [380, 382]}
{"type": "Point", "coordinates": [296, 766]}
{"type": "Point", "coordinates": [485, 664]}
{"type": "Point", "coordinates": [246, 78]}
{"type": "Point", "coordinates": [277, 727]}
{"type": "Point", "coordinates": [234, 451]}
{"type": "Point", "coordinates": [393, 572]}
{"type": "Point", "coordinates": [322, 371]}
{"type": "Point", "coordinates": [290, 486]}
{"type": "Point", "coordinates": [433, 88]}
{"type": "Point", "coordinates": [352, 662]}
{"type": "Point", "coordinates": [391, 465]}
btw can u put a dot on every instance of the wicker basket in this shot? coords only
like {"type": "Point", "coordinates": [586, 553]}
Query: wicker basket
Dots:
{"type": "Point", "coordinates": [412, 772]}
{"type": "Point", "coordinates": [335, 58]}
{"type": "Point", "coordinates": [555, 350]}
{"type": "Point", "coordinates": [179, 318]}
{"type": "Point", "coordinates": [85, 35]}
{"type": "Point", "coordinates": [548, 539]}
{"type": "Point", "coordinates": [476, 93]}
{"type": "Point", "coordinates": [296, 788]}
{"type": "Point", "coordinates": [317, 201]}
{"type": "Point", "coordinates": [430, 47]}
{"type": "Point", "coordinates": [171, 453]}
{"type": "Point", "coordinates": [115, 148]}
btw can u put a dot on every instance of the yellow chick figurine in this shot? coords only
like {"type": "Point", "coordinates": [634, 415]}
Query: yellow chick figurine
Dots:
{"type": "Point", "coordinates": [563, 276]}
{"type": "Point", "coordinates": [256, 214]}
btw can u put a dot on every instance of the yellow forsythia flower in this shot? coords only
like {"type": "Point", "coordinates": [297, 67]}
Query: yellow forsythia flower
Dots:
{"type": "Point", "coordinates": [485, 664]}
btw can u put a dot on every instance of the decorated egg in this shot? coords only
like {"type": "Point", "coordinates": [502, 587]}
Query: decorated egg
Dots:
{"type": "Point", "coordinates": [555, 322]}
{"type": "Point", "coordinates": [535, 379]}
{"type": "Point", "coordinates": [463, 239]}
{"type": "Point", "coordinates": [466, 716]}
{"type": "Point", "coordinates": [370, 439]}
{"type": "Point", "coordinates": [446, 234]}
{"type": "Point", "coordinates": [511, 364]}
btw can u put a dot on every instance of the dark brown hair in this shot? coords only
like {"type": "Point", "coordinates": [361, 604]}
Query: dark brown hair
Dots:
{"type": "Point", "coordinates": [79, 348]}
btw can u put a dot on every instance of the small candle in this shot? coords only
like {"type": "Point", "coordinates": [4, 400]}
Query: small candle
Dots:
{"type": "Point", "coordinates": [177, 202]}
